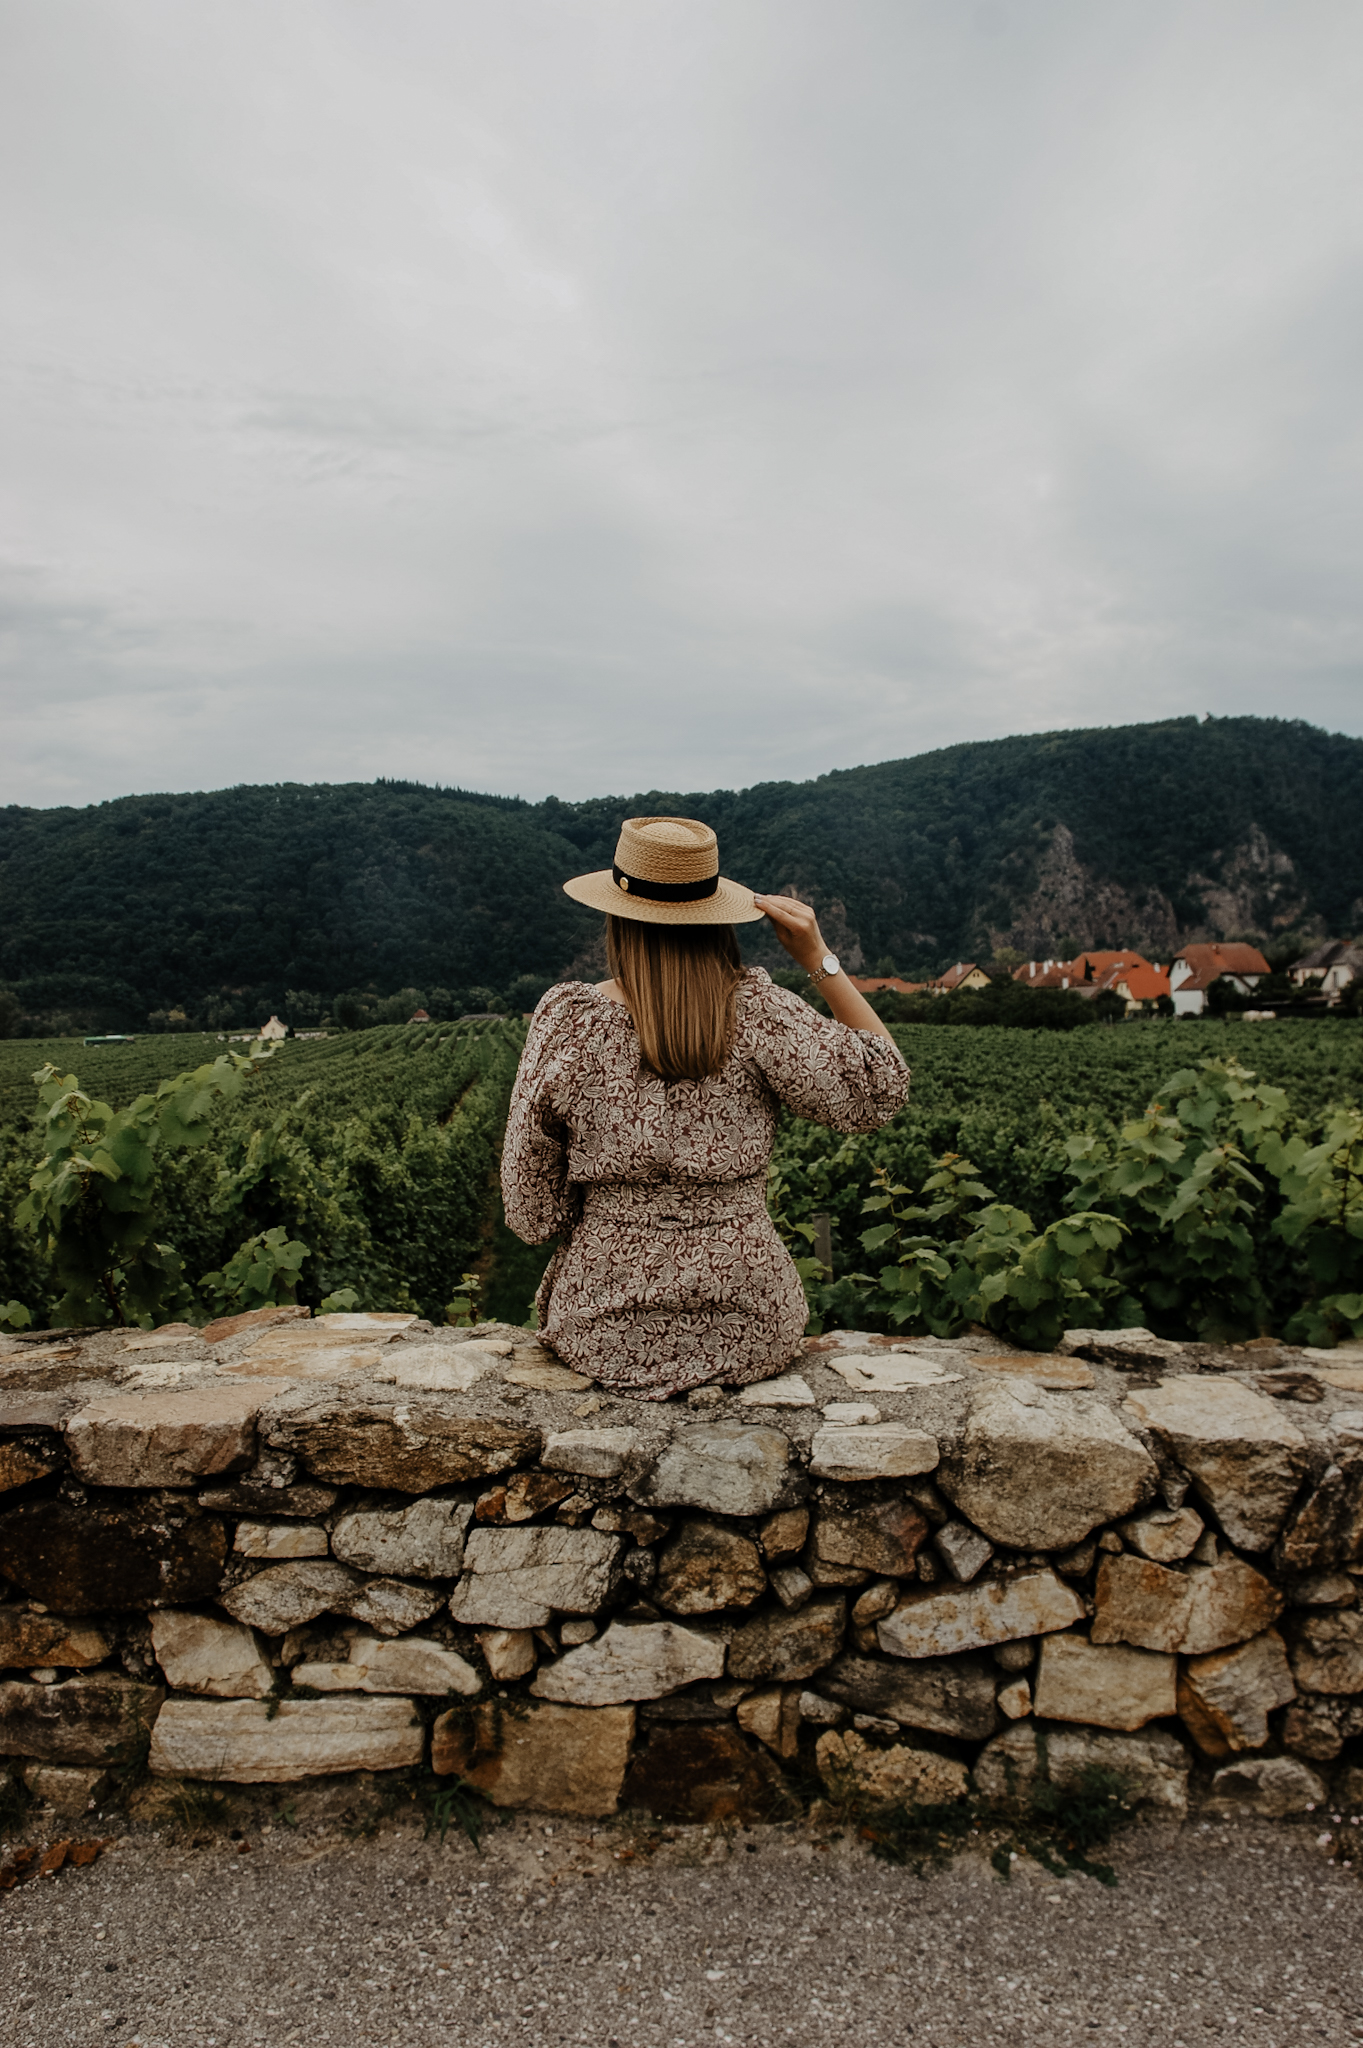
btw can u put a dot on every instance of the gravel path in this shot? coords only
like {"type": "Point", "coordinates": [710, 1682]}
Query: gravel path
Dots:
{"type": "Point", "coordinates": [760, 1939]}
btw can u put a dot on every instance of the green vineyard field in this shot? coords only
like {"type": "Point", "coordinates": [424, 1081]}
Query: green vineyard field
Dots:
{"type": "Point", "coordinates": [378, 1149]}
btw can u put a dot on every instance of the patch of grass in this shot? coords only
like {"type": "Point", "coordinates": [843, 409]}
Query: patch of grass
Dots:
{"type": "Point", "coordinates": [1058, 1825]}
{"type": "Point", "coordinates": [453, 1804]}
{"type": "Point", "coordinates": [199, 1804]}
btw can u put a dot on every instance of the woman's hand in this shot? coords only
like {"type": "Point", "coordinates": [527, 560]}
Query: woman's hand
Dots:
{"type": "Point", "coordinates": [796, 927]}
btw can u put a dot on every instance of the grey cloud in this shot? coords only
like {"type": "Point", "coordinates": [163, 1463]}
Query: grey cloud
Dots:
{"type": "Point", "coordinates": [611, 398]}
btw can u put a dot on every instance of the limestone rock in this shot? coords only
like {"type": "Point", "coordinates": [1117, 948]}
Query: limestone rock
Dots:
{"type": "Point", "coordinates": [773, 1716]}
{"type": "Point", "coordinates": [1243, 1456]}
{"type": "Point", "coordinates": [1325, 1589]}
{"type": "Point", "coordinates": [1164, 1535]}
{"type": "Point", "coordinates": [292, 1355]}
{"type": "Point", "coordinates": [408, 1446]}
{"type": "Point", "coordinates": [284, 1596]}
{"type": "Point", "coordinates": [220, 1659]}
{"type": "Point", "coordinates": [71, 1790]}
{"type": "Point", "coordinates": [1104, 1686]}
{"type": "Point", "coordinates": [434, 1369]}
{"type": "Point", "coordinates": [19, 1465]}
{"type": "Point", "coordinates": [1122, 1348]}
{"type": "Point", "coordinates": [703, 1773]}
{"type": "Point", "coordinates": [227, 1327]}
{"type": "Point", "coordinates": [1318, 1725]}
{"type": "Point", "coordinates": [869, 1373]}
{"type": "Point", "coordinates": [1038, 1470]}
{"type": "Point", "coordinates": [422, 1541]}
{"type": "Point", "coordinates": [941, 1620]}
{"type": "Point", "coordinates": [1153, 1764]}
{"type": "Point", "coordinates": [1057, 1375]}
{"type": "Point", "coordinates": [791, 1586]}
{"type": "Point", "coordinates": [260, 1497]}
{"type": "Point", "coordinates": [524, 1496]}
{"type": "Point", "coordinates": [519, 1578]}
{"type": "Point", "coordinates": [940, 1695]}
{"type": "Point", "coordinates": [244, 1743]}
{"type": "Point", "coordinates": [509, 1652]}
{"type": "Point", "coordinates": [1196, 1611]}
{"type": "Point", "coordinates": [1266, 1787]}
{"type": "Point", "coordinates": [851, 1768]}
{"type": "Point", "coordinates": [727, 1468]}
{"type": "Point", "coordinates": [550, 1758]}
{"type": "Point", "coordinates": [381, 1324]}
{"type": "Point", "coordinates": [1225, 1698]}
{"type": "Point", "coordinates": [787, 1646]}
{"type": "Point", "coordinates": [93, 1719]}
{"type": "Point", "coordinates": [786, 1390]}
{"type": "Point", "coordinates": [392, 1606]}
{"type": "Point", "coordinates": [1327, 1652]}
{"type": "Point", "coordinates": [783, 1535]}
{"type": "Point", "coordinates": [962, 1549]}
{"type": "Point", "coordinates": [707, 1567]}
{"type": "Point", "coordinates": [49, 1639]}
{"type": "Point", "coordinates": [884, 1539]}
{"type": "Point", "coordinates": [546, 1376]}
{"type": "Point", "coordinates": [590, 1453]}
{"type": "Point", "coordinates": [412, 1665]}
{"type": "Point", "coordinates": [1014, 1699]}
{"type": "Point", "coordinates": [280, 1540]}
{"type": "Point", "coordinates": [641, 1661]}
{"type": "Point", "coordinates": [94, 1556]}
{"type": "Point", "coordinates": [1328, 1531]}
{"type": "Point", "coordinates": [165, 1438]}
{"type": "Point", "coordinates": [617, 1521]}
{"type": "Point", "coordinates": [884, 1450]}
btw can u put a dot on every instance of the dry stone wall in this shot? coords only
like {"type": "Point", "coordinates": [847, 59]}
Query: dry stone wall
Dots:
{"type": "Point", "coordinates": [285, 1548]}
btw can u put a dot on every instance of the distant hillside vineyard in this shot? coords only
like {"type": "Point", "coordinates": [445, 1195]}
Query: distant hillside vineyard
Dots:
{"type": "Point", "coordinates": [222, 903]}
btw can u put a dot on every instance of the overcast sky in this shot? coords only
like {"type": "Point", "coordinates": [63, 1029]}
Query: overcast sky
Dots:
{"type": "Point", "coordinates": [595, 395]}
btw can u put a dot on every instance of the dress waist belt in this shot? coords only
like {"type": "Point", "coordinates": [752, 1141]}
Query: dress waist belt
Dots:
{"type": "Point", "coordinates": [675, 1205]}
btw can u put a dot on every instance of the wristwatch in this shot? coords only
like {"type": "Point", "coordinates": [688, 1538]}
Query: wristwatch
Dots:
{"type": "Point", "coordinates": [830, 964]}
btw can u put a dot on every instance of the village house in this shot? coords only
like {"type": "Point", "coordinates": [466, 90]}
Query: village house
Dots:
{"type": "Point", "coordinates": [1198, 968]}
{"type": "Point", "coordinates": [1139, 982]}
{"type": "Point", "coordinates": [965, 974]}
{"type": "Point", "coordinates": [274, 1029]}
{"type": "Point", "coordinates": [1331, 968]}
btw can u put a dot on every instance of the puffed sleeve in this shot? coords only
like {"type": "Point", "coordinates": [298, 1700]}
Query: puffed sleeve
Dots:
{"type": "Point", "coordinates": [823, 1070]}
{"type": "Point", "coordinates": [536, 1194]}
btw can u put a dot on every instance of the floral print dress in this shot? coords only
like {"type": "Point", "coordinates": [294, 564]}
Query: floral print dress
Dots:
{"type": "Point", "coordinates": [670, 1274]}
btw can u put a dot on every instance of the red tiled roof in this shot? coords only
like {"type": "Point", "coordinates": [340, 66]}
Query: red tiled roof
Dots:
{"type": "Point", "coordinates": [1144, 983]}
{"type": "Point", "coordinates": [1209, 962]}
{"type": "Point", "coordinates": [954, 976]}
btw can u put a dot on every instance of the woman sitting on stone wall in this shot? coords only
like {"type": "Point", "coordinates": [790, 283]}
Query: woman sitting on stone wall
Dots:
{"type": "Point", "coordinates": [643, 1118]}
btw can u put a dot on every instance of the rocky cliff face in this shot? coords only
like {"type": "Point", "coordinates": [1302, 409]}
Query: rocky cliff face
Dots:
{"type": "Point", "coordinates": [1254, 891]}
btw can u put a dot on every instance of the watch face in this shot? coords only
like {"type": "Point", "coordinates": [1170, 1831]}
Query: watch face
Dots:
{"type": "Point", "coordinates": [830, 963]}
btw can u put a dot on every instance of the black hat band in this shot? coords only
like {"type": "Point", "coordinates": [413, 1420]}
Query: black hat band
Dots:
{"type": "Point", "coordinates": [664, 892]}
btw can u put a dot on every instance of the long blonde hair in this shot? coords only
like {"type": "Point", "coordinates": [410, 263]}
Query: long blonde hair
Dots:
{"type": "Point", "coordinates": [679, 981]}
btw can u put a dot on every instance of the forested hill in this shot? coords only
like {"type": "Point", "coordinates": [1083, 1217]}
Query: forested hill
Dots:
{"type": "Point", "coordinates": [288, 895]}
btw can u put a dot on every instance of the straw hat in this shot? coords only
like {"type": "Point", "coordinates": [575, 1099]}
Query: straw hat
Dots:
{"type": "Point", "coordinates": [666, 872]}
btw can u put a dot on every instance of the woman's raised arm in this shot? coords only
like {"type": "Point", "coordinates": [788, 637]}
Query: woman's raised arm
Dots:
{"type": "Point", "coordinates": [797, 928]}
